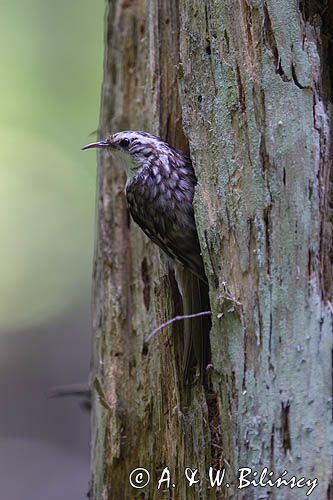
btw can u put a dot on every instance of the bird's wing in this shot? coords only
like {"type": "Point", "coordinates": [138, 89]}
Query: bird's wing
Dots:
{"type": "Point", "coordinates": [180, 245]}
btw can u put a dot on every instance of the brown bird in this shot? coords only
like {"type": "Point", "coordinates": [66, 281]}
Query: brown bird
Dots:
{"type": "Point", "coordinates": [159, 190]}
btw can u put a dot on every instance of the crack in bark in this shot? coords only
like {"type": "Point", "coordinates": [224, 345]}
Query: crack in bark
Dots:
{"type": "Point", "coordinates": [272, 444]}
{"type": "Point", "coordinates": [285, 427]}
{"type": "Point", "coordinates": [243, 322]}
{"type": "Point", "coordinates": [272, 45]}
{"type": "Point", "coordinates": [268, 230]}
{"type": "Point", "coordinates": [296, 82]}
{"type": "Point", "coordinates": [145, 275]}
{"type": "Point", "coordinates": [318, 22]}
{"type": "Point", "coordinates": [260, 319]}
{"type": "Point", "coordinates": [330, 491]}
{"type": "Point", "coordinates": [216, 279]}
{"type": "Point", "coordinates": [241, 92]}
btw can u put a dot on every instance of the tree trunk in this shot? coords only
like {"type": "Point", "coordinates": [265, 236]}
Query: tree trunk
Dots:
{"type": "Point", "coordinates": [250, 82]}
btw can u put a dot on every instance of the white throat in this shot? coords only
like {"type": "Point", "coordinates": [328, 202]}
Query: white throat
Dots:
{"type": "Point", "coordinates": [129, 164]}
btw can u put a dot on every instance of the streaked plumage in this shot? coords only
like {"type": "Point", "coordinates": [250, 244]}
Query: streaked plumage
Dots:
{"type": "Point", "coordinates": [159, 190]}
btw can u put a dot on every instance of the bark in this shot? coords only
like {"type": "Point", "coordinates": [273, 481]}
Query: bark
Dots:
{"type": "Point", "coordinates": [250, 82]}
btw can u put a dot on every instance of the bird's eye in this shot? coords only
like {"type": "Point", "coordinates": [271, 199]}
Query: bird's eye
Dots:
{"type": "Point", "coordinates": [124, 143]}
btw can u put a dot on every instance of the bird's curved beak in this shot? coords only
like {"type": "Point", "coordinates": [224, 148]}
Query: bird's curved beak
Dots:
{"type": "Point", "coordinates": [99, 144]}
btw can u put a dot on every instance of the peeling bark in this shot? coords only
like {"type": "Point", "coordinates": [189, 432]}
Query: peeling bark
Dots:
{"type": "Point", "coordinates": [251, 84]}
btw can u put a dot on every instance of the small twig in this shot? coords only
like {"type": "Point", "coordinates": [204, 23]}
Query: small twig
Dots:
{"type": "Point", "coordinates": [69, 390]}
{"type": "Point", "coordinates": [230, 296]}
{"type": "Point", "coordinates": [172, 320]}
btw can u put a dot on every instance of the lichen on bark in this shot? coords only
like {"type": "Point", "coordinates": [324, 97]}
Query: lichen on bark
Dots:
{"type": "Point", "coordinates": [250, 84]}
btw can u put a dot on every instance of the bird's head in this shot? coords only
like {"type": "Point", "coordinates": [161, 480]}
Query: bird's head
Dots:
{"type": "Point", "coordinates": [142, 147]}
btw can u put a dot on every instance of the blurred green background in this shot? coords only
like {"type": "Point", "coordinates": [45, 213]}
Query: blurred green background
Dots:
{"type": "Point", "coordinates": [51, 72]}
{"type": "Point", "coordinates": [51, 54]}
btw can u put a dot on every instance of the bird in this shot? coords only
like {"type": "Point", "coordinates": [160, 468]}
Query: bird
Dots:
{"type": "Point", "coordinates": [160, 186]}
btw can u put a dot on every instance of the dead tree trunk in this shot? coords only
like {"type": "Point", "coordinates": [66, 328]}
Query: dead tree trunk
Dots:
{"type": "Point", "coordinates": [250, 83]}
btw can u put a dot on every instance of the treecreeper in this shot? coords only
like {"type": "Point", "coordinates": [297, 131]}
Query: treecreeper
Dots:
{"type": "Point", "coordinates": [159, 190]}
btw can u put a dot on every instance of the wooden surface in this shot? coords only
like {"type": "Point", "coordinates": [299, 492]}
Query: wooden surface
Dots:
{"type": "Point", "coordinates": [255, 87]}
